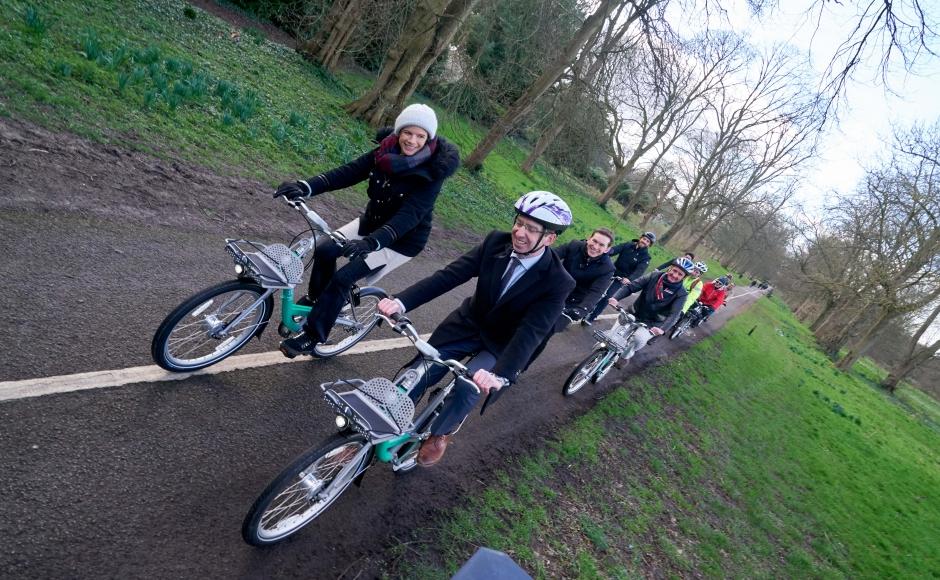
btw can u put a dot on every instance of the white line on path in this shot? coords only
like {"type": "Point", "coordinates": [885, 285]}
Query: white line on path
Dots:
{"type": "Point", "coordinates": [149, 374]}
{"type": "Point", "coordinates": [10, 390]}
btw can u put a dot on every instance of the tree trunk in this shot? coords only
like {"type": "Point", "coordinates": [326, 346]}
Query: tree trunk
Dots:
{"type": "Point", "coordinates": [327, 45]}
{"type": "Point", "coordinates": [914, 357]}
{"type": "Point", "coordinates": [821, 320]}
{"type": "Point", "coordinates": [548, 77]}
{"type": "Point", "coordinates": [855, 351]}
{"type": "Point", "coordinates": [900, 372]}
{"type": "Point", "coordinates": [545, 140]}
{"type": "Point", "coordinates": [427, 33]}
{"type": "Point", "coordinates": [613, 183]}
{"type": "Point", "coordinates": [672, 231]}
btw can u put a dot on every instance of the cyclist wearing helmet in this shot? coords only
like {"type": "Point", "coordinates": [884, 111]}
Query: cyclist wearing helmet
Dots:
{"type": "Point", "coordinates": [662, 296]}
{"type": "Point", "coordinates": [405, 174]}
{"type": "Point", "coordinates": [688, 255]}
{"type": "Point", "coordinates": [693, 284]}
{"type": "Point", "coordinates": [632, 259]}
{"type": "Point", "coordinates": [589, 264]}
{"type": "Point", "coordinates": [520, 293]}
{"type": "Point", "coordinates": [713, 297]}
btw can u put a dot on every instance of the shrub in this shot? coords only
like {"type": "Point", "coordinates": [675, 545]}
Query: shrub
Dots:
{"type": "Point", "coordinates": [89, 45]}
{"type": "Point", "coordinates": [597, 177]}
{"type": "Point", "coordinates": [34, 20]}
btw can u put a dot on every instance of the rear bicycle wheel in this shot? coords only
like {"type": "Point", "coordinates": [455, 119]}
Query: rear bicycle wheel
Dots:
{"type": "Point", "coordinates": [354, 322]}
{"type": "Point", "coordinates": [190, 338]}
{"type": "Point", "coordinates": [584, 372]}
{"type": "Point", "coordinates": [305, 489]}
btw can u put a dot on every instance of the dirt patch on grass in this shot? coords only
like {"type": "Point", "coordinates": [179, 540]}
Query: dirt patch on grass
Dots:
{"type": "Point", "coordinates": [241, 20]}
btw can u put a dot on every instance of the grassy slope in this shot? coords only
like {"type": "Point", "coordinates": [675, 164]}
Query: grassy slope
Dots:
{"type": "Point", "coordinates": [750, 455]}
{"type": "Point", "coordinates": [145, 75]}
{"type": "Point", "coordinates": [782, 467]}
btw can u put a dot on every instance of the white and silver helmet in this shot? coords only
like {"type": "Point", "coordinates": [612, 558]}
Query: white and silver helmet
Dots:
{"type": "Point", "coordinates": [546, 208]}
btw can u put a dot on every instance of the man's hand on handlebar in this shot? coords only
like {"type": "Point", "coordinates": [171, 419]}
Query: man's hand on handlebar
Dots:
{"type": "Point", "coordinates": [388, 307]}
{"type": "Point", "coordinates": [486, 380]}
{"type": "Point", "coordinates": [613, 302]}
{"type": "Point", "coordinates": [656, 331]}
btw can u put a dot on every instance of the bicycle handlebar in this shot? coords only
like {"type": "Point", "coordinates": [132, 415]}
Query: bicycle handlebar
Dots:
{"type": "Point", "coordinates": [630, 318]}
{"type": "Point", "coordinates": [316, 222]}
{"type": "Point", "coordinates": [402, 325]}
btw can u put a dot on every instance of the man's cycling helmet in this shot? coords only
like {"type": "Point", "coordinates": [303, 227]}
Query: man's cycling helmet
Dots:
{"type": "Point", "coordinates": [702, 267]}
{"type": "Point", "coordinates": [684, 263]}
{"type": "Point", "coordinates": [649, 236]}
{"type": "Point", "coordinates": [721, 281]}
{"type": "Point", "coordinates": [546, 208]}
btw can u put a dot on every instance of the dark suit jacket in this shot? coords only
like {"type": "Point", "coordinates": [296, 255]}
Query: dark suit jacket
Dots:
{"type": "Point", "coordinates": [512, 326]}
{"type": "Point", "coordinates": [592, 276]}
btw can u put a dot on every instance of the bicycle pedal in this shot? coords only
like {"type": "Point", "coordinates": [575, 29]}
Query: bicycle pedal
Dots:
{"type": "Point", "coordinates": [408, 464]}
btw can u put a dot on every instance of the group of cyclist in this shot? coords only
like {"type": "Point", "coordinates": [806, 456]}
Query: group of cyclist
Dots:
{"type": "Point", "coordinates": [526, 290]}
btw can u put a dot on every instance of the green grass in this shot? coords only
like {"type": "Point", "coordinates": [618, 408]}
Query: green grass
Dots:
{"type": "Point", "coordinates": [171, 80]}
{"type": "Point", "coordinates": [747, 456]}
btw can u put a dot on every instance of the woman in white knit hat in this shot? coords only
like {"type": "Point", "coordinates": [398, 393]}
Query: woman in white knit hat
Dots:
{"type": "Point", "coordinates": [405, 174]}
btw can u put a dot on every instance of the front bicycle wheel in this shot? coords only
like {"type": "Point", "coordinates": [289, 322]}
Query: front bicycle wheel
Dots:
{"type": "Point", "coordinates": [352, 325]}
{"type": "Point", "coordinates": [583, 372]}
{"type": "Point", "coordinates": [305, 489]}
{"type": "Point", "coordinates": [197, 333]}
{"type": "Point", "coordinates": [680, 328]}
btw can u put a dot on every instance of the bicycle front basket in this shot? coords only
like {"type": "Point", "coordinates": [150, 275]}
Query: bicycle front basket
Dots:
{"type": "Point", "coordinates": [286, 261]}
{"type": "Point", "coordinates": [618, 335]}
{"type": "Point", "coordinates": [376, 405]}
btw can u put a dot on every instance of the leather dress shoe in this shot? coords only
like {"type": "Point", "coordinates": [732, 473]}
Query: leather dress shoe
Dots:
{"type": "Point", "coordinates": [432, 450]}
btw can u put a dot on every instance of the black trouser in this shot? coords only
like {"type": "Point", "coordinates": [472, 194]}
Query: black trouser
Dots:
{"type": "Point", "coordinates": [560, 324]}
{"type": "Point", "coordinates": [330, 287]}
{"type": "Point", "coordinates": [615, 285]}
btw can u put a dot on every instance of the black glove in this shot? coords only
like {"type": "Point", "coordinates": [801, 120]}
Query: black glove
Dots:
{"type": "Point", "coordinates": [358, 248]}
{"type": "Point", "coordinates": [293, 190]}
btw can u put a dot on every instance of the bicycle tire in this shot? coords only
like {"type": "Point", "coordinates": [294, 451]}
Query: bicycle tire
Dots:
{"type": "Point", "coordinates": [679, 329]}
{"type": "Point", "coordinates": [293, 488]}
{"type": "Point", "coordinates": [341, 338]}
{"type": "Point", "coordinates": [583, 372]}
{"type": "Point", "coordinates": [198, 307]}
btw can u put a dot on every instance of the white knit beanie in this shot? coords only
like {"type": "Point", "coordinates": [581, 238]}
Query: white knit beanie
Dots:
{"type": "Point", "coordinates": [418, 115]}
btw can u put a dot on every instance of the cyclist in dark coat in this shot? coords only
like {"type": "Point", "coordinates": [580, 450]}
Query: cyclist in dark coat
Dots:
{"type": "Point", "coordinates": [589, 264]}
{"type": "Point", "coordinates": [661, 299]}
{"type": "Point", "coordinates": [405, 174]}
{"type": "Point", "coordinates": [520, 292]}
{"type": "Point", "coordinates": [632, 259]}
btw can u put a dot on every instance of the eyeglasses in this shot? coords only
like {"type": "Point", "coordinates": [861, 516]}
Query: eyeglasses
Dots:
{"type": "Point", "coordinates": [532, 229]}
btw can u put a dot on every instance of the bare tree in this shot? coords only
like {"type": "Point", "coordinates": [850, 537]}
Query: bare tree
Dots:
{"type": "Point", "coordinates": [763, 129]}
{"type": "Point", "coordinates": [552, 72]}
{"type": "Point", "coordinates": [335, 32]}
{"type": "Point", "coordinates": [429, 30]}
{"type": "Point", "coordinates": [607, 42]}
{"type": "Point", "coordinates": [916, 354]}
{"type": "Point", "coordinates": [661, 91]}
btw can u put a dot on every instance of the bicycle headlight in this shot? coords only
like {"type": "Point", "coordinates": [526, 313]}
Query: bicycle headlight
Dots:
{"type": "Point", "coordinates": [341, 422]}
{"type": "Point", "coordinates": [239, 269]}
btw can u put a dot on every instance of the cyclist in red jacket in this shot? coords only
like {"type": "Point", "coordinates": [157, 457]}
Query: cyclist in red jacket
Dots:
{"type": "Point", "coordinates": [713, 297]}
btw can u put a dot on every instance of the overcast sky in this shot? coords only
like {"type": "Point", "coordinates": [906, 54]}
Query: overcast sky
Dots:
{"type": "Point", "coordinates": [869, 109]}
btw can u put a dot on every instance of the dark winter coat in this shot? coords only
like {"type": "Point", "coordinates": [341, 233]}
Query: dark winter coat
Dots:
{"type": "Point", "coordinates": [401, 206]}
{"type": "Point", "coordinates": [631, 261]}
{"type": "Point", "coordinates": [591, 275]}
{"type": "Point", "coordinates": [648, 309]}
{"type": "Point", "coordinates": [512, 326]}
